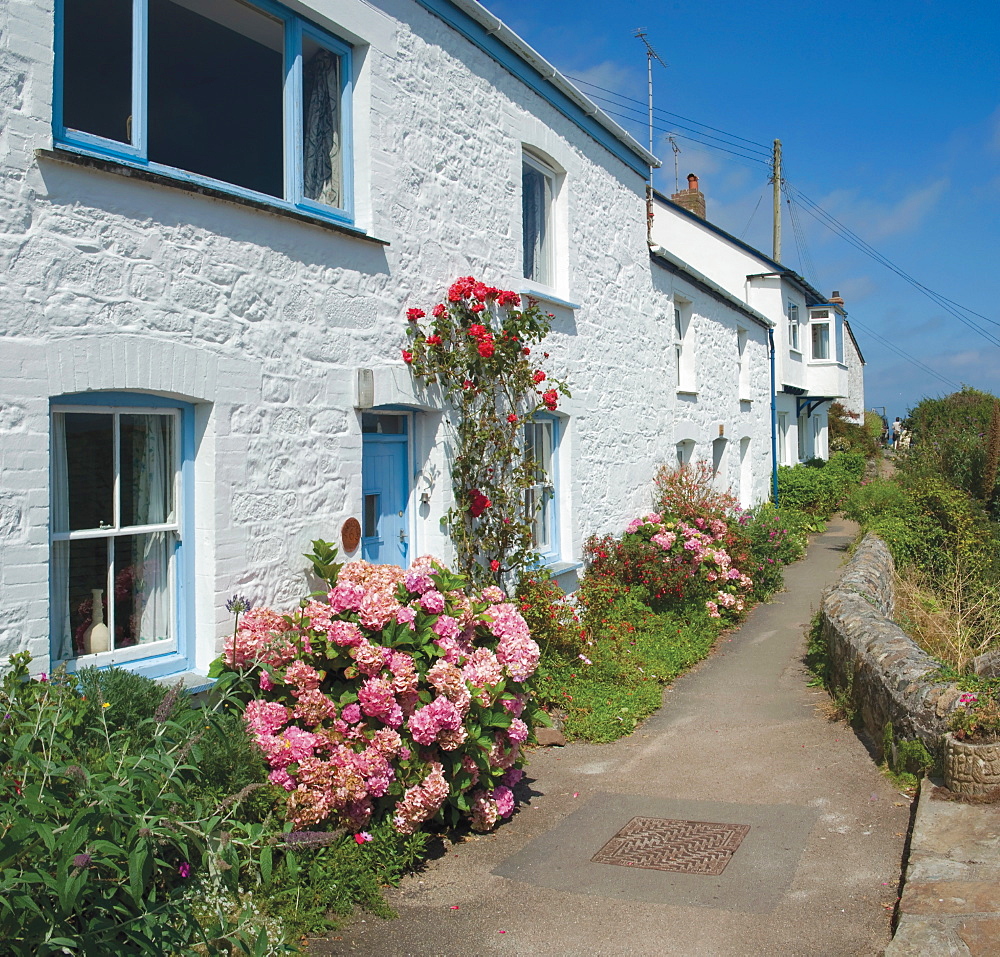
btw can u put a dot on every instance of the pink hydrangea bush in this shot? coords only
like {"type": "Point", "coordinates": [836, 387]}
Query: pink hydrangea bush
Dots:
{"type": "Point", "coordinates": [392, 694]}
{"type": "Point", "coordinates": [696, 553]}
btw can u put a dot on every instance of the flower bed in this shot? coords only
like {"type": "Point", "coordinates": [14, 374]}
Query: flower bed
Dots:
{"type": "Point", "coordinates": [391, 694]}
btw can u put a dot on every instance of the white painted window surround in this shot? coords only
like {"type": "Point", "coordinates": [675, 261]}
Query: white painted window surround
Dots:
{"type": "Point", "coordinates": [241, 95]}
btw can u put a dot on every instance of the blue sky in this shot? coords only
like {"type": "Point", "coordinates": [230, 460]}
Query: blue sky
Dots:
{"type": "Point", "coordinates": [889, 118]}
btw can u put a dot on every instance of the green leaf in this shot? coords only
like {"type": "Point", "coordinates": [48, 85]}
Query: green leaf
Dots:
{"type": "Point", "coordinates": [265, 864]}
{"type": "Point", "coordinates": [139, 869]}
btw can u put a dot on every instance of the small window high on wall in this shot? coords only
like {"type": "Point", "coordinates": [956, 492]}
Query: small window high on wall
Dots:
{"type": "Point", "coordinates": [244, 95]}
{"type": "Point", "coordinates": [117, 494]}
{"type": "Point", "coordinates": [537, 193]}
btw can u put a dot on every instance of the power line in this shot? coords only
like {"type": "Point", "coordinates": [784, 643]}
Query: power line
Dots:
{"type": "Point", "coordinates": [953, 309]}
{"type": "Point", "coordinates": [904, 355]}
{"type": "Point", "coordinates": [764, 151]}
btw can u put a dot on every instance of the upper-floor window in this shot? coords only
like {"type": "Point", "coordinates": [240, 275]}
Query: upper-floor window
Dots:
{"type": "Point", "coordinates": [684, 347]}
{"type": "Point", "coordinates": [793, 327]}
{"type": "Point", "coordinates": [246, 96]}
{"type": "Point", "coordinates": [117, 494]}
{"type": "Point", "coordinates": [537, 194]}
{"type": "Point", "coordinates": [743, 364]}
{"type": "Point", "coordinates": [820, 326]}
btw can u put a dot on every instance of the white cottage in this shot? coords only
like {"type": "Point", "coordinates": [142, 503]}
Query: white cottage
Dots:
{"type": "Point", "coordinates": [816, 357]}
{"type": "Point", "coordinates": [213, 216]}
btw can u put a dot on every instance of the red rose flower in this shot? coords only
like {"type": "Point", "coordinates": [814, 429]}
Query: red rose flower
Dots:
{"type": "Point", "coordinates": [407, 357]}
{"type": "Point", "coordinates": [467, 384]}
{"type": "Point", "coordinates": [478, 503]}
{"type": "Point", "coordinates": [512, 418]}
{"type": "Point", "coordinates": [550, 398]}
{"type": "Point", "coordinates": [495, 565]}
{"type": "Point", "coordinates": [477, 307]}
{"type": "Point", "coordinates": [506, 298]}
{"type": "Point", "coordinates": [433, 340]}
{"type": "Point", "coordinates": [538, 376]}
{"type": "Point", "coordinates": [439, 310]}
{"type": "Point", "coordinates": [486, 348]}
{"type": "Point", "coordinates": [414, 314]}
{"type": "Point", "coordinates": [526, 351]}
{"type": "Point", "coordinates": [477, 331]}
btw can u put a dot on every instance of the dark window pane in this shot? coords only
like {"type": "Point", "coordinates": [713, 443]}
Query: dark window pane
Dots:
{"type": "Point", "coordinates": [88, 572]}
{"type": "Point", "coordinates": [371, 516]}
{"type": "Point", "coordinates": [321, 124]}
{"type": "Point", "coordinates": [215, 93]}
{"type": "Point", "coordinates": [147, 469]}
{"type": "Point", "coordinates": [90, 469]}
{"type": "Point", "coordinates": [371, 424]}
{"type": "Point", "coordinates": [97, 67]}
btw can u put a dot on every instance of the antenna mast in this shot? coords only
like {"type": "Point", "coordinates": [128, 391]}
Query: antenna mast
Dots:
{"type": "Point", "coordinates": [651, 54]}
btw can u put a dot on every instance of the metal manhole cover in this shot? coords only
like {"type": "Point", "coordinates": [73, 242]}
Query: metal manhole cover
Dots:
{"type": "Point", "coordinates": [692, 847]}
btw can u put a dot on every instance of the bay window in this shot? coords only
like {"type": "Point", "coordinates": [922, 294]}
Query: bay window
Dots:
{"type": "Point", "coordinates": [244, 96]}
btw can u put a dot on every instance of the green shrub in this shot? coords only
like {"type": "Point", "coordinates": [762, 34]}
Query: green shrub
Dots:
{"type": "Point", "coordinates": [777, 538]}
{"type": "Point", "coordinates": [549, 614]}
{"type": "Point", "coordinates": [819, 487]}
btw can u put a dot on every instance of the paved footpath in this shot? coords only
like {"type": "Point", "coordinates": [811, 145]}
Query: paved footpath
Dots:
{"type": "Point", "coordinates": [740, 743]}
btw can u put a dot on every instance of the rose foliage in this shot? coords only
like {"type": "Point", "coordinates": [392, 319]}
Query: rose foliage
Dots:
{"type": "Point", "coordinates": [390, 694]}
{"type": "Point", "coordinates": [480, 346]}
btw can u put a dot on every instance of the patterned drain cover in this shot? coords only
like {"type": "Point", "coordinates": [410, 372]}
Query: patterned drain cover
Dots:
{"type": "Point", "coordinates": [692, 847]}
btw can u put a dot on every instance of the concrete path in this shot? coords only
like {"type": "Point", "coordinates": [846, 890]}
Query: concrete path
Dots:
{"type": "Point", "coordinates": [740, 744]}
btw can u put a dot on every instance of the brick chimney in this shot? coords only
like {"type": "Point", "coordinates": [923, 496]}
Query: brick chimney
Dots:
{"type": "Point", "coordinates": [836, 298]}
{"type": "Point", "coordinates": [692, 198]}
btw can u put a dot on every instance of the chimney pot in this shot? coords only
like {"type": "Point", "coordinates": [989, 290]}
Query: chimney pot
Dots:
{"type": "Point", "coordinates": [692, 198]}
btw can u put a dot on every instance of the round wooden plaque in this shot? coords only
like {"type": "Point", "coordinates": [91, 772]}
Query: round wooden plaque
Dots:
{"type": "Point", "coordinates": [350, 534]}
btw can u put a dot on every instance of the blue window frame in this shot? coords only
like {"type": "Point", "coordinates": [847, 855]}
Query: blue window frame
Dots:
{"type": "Point", "coordinates": [244, 97]}
{"type": "Point", "coordinates": [541, 442]}
{"type": "Point", "coordinates": [121, 512]}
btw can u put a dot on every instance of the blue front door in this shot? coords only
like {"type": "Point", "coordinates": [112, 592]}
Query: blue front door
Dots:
{"type": "Point", "coordinates": [385, 489]}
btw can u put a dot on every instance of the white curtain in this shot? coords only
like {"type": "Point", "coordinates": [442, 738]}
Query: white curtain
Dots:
{"type": "Point", "coordinates": [59, 560]}
{"type": "Point", "coordinates": [152, 472]}
{"type": "Point", "coordinates": [321, 129]}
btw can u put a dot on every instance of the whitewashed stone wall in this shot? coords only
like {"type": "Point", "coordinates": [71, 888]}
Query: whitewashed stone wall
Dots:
{"type": "Point", "coordinates": [855, 401]}
{"type": "Point", "coordinates": [262, 321]}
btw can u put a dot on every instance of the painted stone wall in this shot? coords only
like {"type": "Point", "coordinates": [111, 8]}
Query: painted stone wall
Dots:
{"type": "Point", "coordinates": [262, 321]}
{"type": "Point", "coordinates": [886, 676]}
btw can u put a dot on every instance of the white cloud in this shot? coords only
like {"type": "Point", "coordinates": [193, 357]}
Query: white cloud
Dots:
{"type": "Point", "coordinates": [873, 220]}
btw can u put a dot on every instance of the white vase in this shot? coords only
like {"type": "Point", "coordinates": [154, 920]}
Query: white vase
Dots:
{"type": "Point", "coordinates": [97, 637]}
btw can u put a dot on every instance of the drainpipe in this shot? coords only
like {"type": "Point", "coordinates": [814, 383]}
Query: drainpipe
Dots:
{"type": "Point", "coordinates": [774, 422]}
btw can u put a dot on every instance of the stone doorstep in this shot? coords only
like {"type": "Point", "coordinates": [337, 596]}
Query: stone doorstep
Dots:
{"type": "Point", "coordinates": [967, 936]}
{"type": "Point", "coordinates": [951, 897]}
{"type": "Point", "coordinates": [941, 914]}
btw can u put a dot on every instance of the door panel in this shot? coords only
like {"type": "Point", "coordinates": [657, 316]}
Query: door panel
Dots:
{"type": "Point", "coordinates": [385, 528]}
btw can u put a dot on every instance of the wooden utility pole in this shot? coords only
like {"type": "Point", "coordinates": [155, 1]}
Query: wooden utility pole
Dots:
{"type": "Point", "coordinates": [776, 179]}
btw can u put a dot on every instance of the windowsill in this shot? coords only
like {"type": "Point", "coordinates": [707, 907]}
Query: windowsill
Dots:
{"type": "Point", "coordinates": [192, 682]}
{"type": "Point", "coordinates": [746, 400]}
{"type": "Point", "coordinates": [795, 352]}
{"type": "Point", "coordinates": [693, 392]}
{"type": "Point", "coordinates": [557, 567]}
{"type": "Point", "coordinates": [543, 294]}
{"type": "Point", "coordinates": [62, 154]}
{"type": "Point", "coordinates": [827, 362]}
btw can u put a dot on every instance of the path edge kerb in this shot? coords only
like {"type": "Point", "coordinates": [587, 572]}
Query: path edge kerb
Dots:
{"type": "Point", "coordinates": [886, 677]}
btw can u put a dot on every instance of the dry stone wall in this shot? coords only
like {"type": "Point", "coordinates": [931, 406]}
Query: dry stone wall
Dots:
{"type": "Point", "coordinates": [886, 677]}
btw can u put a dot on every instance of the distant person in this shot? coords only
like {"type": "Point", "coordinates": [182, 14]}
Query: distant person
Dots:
{"type": "Point", "coordinates": [897, 432]}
